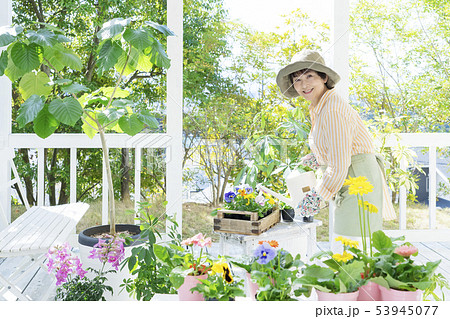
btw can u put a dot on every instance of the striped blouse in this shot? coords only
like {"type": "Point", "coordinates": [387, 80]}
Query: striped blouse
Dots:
{"type": "Point", "coordinates": [338, 133]}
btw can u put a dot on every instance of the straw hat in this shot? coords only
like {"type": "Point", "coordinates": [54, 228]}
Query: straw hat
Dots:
{"type": "Point", "coordinates": [304, 60]}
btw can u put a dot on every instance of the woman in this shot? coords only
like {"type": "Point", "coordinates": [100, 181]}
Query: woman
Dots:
{"type": "Point", "coordinates": [340, 144]}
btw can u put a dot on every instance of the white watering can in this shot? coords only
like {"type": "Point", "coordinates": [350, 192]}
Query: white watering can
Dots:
{"type": "Point", "coordinates": [298, 184]}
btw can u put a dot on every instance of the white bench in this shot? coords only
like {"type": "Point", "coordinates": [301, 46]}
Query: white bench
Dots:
{"type": "Point", "coordinates": [32, 235]}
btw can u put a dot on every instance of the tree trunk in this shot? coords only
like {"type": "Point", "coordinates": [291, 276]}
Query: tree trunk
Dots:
{"type": "Point", "coordinates": [28, 178]}
{"type": "Point", "coordinates": [125, 180]}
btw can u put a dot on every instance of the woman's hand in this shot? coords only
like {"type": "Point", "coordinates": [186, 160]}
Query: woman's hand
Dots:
{"type": "Point", "coordinates": [310, 204]}
{"type": "Point", "coordinates": [310, 161]}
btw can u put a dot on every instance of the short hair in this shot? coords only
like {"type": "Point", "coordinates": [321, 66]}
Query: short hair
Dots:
{"type": "Point", "coordinates": [300, 72]}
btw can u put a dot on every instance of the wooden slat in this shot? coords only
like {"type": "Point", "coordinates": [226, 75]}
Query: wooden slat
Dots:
{"type": "Point", "coordinates": [432, 255]}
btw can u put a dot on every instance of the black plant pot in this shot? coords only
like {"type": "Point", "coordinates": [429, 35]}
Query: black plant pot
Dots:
{"type": "Point", "coordinates": [288, 215]}
{"type": "Point", "coordinates": [308, 219]}
{"type": "Point", "coordinates": [84, 237]}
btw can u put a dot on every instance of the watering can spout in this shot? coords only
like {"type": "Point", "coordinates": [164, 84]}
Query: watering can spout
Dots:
{"type": "Point", "coordinates": [298, 184]}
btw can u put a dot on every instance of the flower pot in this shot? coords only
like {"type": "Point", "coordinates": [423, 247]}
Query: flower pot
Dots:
{"type": "Point", "coordinates": [185, 293]}
{"type": "Point", "coordinates": [400, 295]}
{"type": "Point", "coordinates": [288, 215]}
{"type": "Point", "coordinates": [369, 292]}
{"type": "Point", "coordinates": [308, 219]}
{"type": "Point", "coordinates": [86, 244]}
{"type": "Point", "coordinates": [252, 287]}
{"type": "Point", "coordinates": [329, 296]}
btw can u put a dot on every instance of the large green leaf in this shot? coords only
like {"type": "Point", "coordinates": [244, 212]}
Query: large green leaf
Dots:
{"type": "Point", "coordinates": [89, 125]}
{"type": "Point", "coordinates": [112, 28]}
{"type": "Point", "coordinates": [45, 124]}
{"type": "Point", "coordinates": [60, 57]}
{"type": "Point", "coordinates": [27, 57]}
{"type": "Point", "coordinates": [158, 55]}
{"type": "Point", "coordinates": [67, 111]}
{"type": "Point", "coordinates": [74, 88]}
{"type": "Point", "coordinates": [131, 125]}
{"type": "Point", "coordinates": [139, 38]}
{"type": "Point", "coordinates": [32, 83]}
{"type": "Point", "coordinates": [108, 55]}
{"type": "Point", "coordinates": [119, 93]}
{"type": "Point", "coordinates": [42, 37]}
{"type": "Point", "coordinates": [380, 241]}
{"type": "Point", "coordinates": [161, 28]}
{"type": "Point", "coordinates": [318, 272]}
{"type": "Point", "coordinates": [29, 110]}
{"type": "Point", "coordinates": [110, 115]}
{"type": "Point", "coordinates": [144, 63]}
{"type": "Point", "coordinates": [131, 63]}
{"type": "Point", "coordinates": [8, 34]}
{"type": "Point", "coordinates": [3, 62]}
{"type": "Point", "coordinates": [148, 119]}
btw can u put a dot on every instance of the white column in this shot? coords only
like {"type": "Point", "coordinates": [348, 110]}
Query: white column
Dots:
{"type": "Point", "coordinates": [174, 186]}
{"type": "Point", "coordinates": [340, 44]}
{"type": "Point", "coordinates": [5, 128]}
{"type": "Point", "coordinates": [73, 175]}
{"type": "Point", "coordinates": [432, 186]}
{"type": "Point", "coordinates": [340, 30]}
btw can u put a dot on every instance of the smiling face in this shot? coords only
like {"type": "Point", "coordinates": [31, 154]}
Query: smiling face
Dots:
{"type": "Point", "coordinates": [310, 85]}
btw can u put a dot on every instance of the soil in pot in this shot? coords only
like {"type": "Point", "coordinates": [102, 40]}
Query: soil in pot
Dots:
{"type": "Point", "coordinates": [246, 217]}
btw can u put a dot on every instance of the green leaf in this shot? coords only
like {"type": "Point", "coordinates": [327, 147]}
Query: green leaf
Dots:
{"type": "Point", "coordinates": [131, 63]}
{"type": "Point", "coordinates": [74, 88]}
{"type": "Point", "coordinates": [319, 272]}
{"type": "Point", "coordinates": [67, 111]}
{"type": "Point", "coordinates": [60, 57]}
{"type": "Point", "coordinates": [131, 125]}
{"type": "Point", "coordinates": [144, 64]}
{"type": "Point", "coordinates": [110, 115]}
{"type": "Point", "coordinates": [158, 55]}
{"type": "Point", "coordinates": [108, 55]}
{"type": "Point", "coordinates": [3, 62]}
{"type": "Point", "coordinates": [32, 83]}
{"type": "Point", "coordinates": [29, 110]}
{"type": "Point", "coordinates": [119, 93]}
{"type": "Point", "coordinates": [45, 124]}
{"type": "Point", "coordinates": [148, 119]}
{"type": "Point", "coordinates": [381, 241]}
{"type": "Point", "coordinates": [139, 38]}
{"type": "Point", "coordinates": [161, 28]}
{"type": "Point", "coordinates": [89, 125]}
{"type": "Point", "coordinates": [112, 28]}
{"type": "Point", "coordinates": [8, 34]}
{"type": "Point", "coordinates": [42, 37]}
{"type": "Point", "coordinates": [27, 57]}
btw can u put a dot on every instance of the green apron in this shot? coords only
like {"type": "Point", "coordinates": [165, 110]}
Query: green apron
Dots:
{"type": "Point", "coordinates": [346, 216]}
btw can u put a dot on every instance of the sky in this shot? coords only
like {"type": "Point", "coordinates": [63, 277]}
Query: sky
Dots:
{"type": "Point", "coordinates": [265, 15]}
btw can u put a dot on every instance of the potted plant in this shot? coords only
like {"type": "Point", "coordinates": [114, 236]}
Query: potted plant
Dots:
{"type": "Point", "coordinates": [73, 282]}
{"type": "Point", "coordinates": [275, 272]}
{"type": "Point", "coordinates": [187, 265]}
{"type": "Point", "coordinates": [149, 274]}
{"type": "Point", "coordinates": [220, 284]}
{"type": "Point", "coordinates": [404, 278]}
{"type": "Point", "coordinates": [336, 278]}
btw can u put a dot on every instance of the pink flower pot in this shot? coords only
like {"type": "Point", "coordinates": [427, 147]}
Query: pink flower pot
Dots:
{"type": "Point", "coordinates": [252, 287]}
{"type": "Point", "coordinates": [369, 292]}
{"type": "Point", "coordinates": [329, 296]}
{"type": "Point", "coordinates": [185, 293]}
{"type": "Point", "coordinates": [400, 295]}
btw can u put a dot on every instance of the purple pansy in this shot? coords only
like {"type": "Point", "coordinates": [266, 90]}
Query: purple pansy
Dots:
{"type": "Point", "coordinates": [229, 197]}
{"type": "Point", "coordinates": [265, 253]}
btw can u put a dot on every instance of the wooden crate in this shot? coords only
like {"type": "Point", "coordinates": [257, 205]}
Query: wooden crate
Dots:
{"type": "Point", "coordinates": [245, 227]}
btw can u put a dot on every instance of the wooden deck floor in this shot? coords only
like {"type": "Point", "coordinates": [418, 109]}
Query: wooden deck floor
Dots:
{"type": "Point", "coordinates": [38, 280]}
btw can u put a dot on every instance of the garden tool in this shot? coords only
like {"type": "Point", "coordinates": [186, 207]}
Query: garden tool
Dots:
{"type": "Point", "coordinates": [298, 184]}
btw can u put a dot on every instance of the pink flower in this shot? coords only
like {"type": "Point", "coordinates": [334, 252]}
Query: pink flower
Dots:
{"type": "Point", "coordinates": [205, 242]}
{"type": "Point", "coordinates": [406, 251]}
{"type": "Point", "coordinates": [198, 240]}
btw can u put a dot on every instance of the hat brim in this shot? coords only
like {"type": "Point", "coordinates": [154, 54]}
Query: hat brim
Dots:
{"type": "Point", "coordinates": [284, 81]}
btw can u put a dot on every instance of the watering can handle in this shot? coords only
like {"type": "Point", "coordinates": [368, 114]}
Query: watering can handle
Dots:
{"type": "Point", "coordinates": [276, 195]}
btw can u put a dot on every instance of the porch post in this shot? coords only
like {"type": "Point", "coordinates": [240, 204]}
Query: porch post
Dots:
{"type": "Point", "coordinates": [5, 129]}
{"type": "Point", "coordinates": [174, 153]}
{"type": "Point", "coordinates": [340, 35]}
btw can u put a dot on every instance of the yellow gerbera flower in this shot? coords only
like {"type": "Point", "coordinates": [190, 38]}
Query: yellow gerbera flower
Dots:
{"type": "Point", "coordinates": [342, 258]}
{"type": "Point", "coordinates": [347, 242]}
{"type": "Point", "coordinates": [368, 206]}
{"type": "Point", "coordinates": [358, 185]}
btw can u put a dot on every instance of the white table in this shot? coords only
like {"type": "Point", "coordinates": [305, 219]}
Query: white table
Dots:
{"type": "Point", "coordinates": [32, 234]}
{"type": "Point", "coordinates": [296, 237]}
